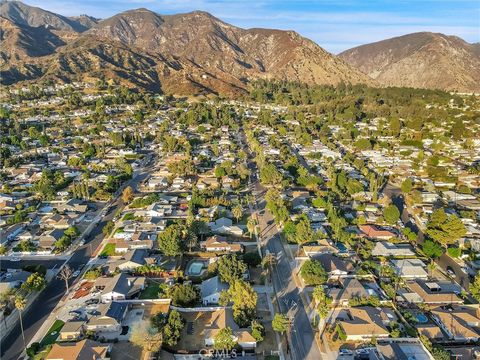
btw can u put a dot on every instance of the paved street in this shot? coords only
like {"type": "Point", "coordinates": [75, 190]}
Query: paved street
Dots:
{"type": "Point", "coordinates": [33, 318]}
{"type": "Point", "coordinates": [302, 338]}
{"type": "Point", "coordinates": [302, 344]}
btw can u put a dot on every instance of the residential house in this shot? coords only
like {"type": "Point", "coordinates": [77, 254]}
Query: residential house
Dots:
{"type": "Point", "coordinates": [396, 349]}
{"type": "Point", "coordinates": [57, 221]}
{"type": "Point", "coordinates": [376, 233]}
{"type": "Point", "coordinates": [383, 248]}
{"type": "Point", "coordinates": [210, 290]}
{"type": "Point", "coordinates": [223, 318]}
{"type": "Point", "coordinates": [219, 243]}
{"type": "Point", "coordinates": [224, 226]}
{"type": "Point", "coordinates": [82, 350]}
{"type": "Point", "coordinates": [333, 265]}
{"type": "Point", "coordinates": [350, 288]}
{"type": "Point", "coordinates": [72, 331]}
{"type": "Point", "coordinates": [458, 322]}
{"type": "Point", "coordinates": [432, 292]}
{"type": "Point", "coordinates": [410, 268]}
{"type": "Point", "coordinates": [47, 239]}
{"type": "Point", "coordinates": [132, 259]}
{"type": "Point", "coordinates": [365, 323]}
{"type": "Point", "coordinates": [119, 287]}
{"type": "Point", "coordinates": [109, 317]}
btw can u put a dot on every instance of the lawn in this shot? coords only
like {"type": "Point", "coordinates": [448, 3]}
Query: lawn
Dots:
{"type": "Point", "coordinates": [53, 333]}
{"type": "Point", "coordinates": [151, 291]}
{"type": "Point", "coordinates": [108, 250]}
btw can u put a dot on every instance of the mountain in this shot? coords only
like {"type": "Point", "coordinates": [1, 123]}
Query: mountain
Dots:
{"type": "Point", "coordinates": [422, 60]}
{"type": "Point", "coordinates": [184, 53]}
{"type": "Point", "coordinates": [25, 15]}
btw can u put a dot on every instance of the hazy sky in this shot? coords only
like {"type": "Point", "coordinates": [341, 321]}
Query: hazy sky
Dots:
{"type": "Point", "coordinates": [334, 24]}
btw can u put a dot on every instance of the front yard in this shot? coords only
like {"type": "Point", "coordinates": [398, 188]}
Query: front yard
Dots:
{"type": "Point", "coordinates": [52, 333]}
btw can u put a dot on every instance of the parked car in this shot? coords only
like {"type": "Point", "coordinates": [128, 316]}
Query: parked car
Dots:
{"type": "Point", "coordinates": [76, 273]}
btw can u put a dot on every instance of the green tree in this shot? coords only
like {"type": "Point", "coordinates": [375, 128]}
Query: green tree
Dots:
{"type": "Point", "coordinates": [258, 331]}
{"type": "Point", "coordinates": [184, 295]}
{"type": "Point", "coordinates": [475, 288]}
{"type": "Point", "coordinates": [322, 301]}
{"type": "Point", "coordinates": [458, 130]}
{"type": "Point", "coordinates": [173, 328]}
{"type": "Point", "coordinates": [432, 249]}
{"type": "Point", "coordinates": [313, 272]}
{"type": "Point", "coordinates": [20, 304]}
{"type": "Point", "coordinates": [407, 185]}
{"type": "Point", "coordinates": [224, 339]}
{"type": "Point", "coordinates": [280, 323]}
{"type": "Point", "coordinates": [303, 231]}
{"type": "Point", "coordinates": [237, 212]}
{"type": "Point", "coordinates": [34, 282]}
{"type": "Point", "coordinates": [170, 240]}
{"type": "Point", "coordinates": [391, 214]}
{"type": "Point", "coordinates": [445, 229]}
{"type": "Point", "coordinates": [231, 268]}
{"type": "Point", "coordinates": [244, 300]}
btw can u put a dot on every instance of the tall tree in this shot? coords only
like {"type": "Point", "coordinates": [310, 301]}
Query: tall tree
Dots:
{"type": "Point", "coordinates": [231, 268]}
{"type": "Point", "coordinates": [20, 304]}
{"type": "Point", "coordinates": [445, 229]}
{"type": "Point", "coordinates": [127, 195]}
{"type": "Point", "coordinates": [65, 274]}
{"type": "Point", "coordinates": [224, 339]}
{"type": "Point", "coordinates": [280, 323]}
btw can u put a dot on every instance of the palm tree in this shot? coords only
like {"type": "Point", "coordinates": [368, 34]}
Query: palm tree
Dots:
{"type": "Point", "coordinates": [191, 240]}
{"type": "Point", "coordinates": [237, 212]}
{"type": "Point", "coordinates": [20, 304]}
{"type": "Point", "coordinates": [251, 225]}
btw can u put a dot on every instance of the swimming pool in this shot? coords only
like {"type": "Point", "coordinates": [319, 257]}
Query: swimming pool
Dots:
{"type": "Point", "coordinates": [421, 318]}
{"type": "Point", "coordinates": [196, 268]}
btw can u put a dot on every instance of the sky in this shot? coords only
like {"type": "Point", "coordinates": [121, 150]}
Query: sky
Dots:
{"type": "Point", "coordinates": [335, 25]}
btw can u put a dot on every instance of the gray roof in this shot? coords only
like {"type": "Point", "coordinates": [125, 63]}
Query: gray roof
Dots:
{"type": "Point", "coordinates": [212, 286]}
{"type": "Point", "coordinates": [137, 256]}
{"type": "Point", "coordinates": [121, 283]}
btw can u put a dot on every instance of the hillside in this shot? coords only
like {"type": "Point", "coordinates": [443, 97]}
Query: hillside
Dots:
{"type": "Point", "coordinates": [422, 60]}
{"type": "Point", "coordinates": [184, 53]}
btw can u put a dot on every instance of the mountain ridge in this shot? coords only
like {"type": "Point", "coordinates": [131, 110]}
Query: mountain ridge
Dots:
{"type": "Point", "coordinates": [196, 52]}
{"type": "Point", "coordinates": [421, 60]}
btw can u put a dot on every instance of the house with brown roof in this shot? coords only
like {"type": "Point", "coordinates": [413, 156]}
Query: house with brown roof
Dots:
{"type": "Point", "coordinates": [219, 243]}
{"type": "Point", "coordinates": [458, 322]}
{"type": "Point", "coordinates": [82, 350]}
{"type": "Point", "coordinates": [71, 331]}
{"type": "Point", "coordinates": [432, 292]}
{"type": "Point", "coordinates": [365, 323]}
{"type": "Point", "coordinates": [220, 319]}
{"type": "Point", "coordinates": [351, 288]}
{"type": "Point", "coordinates": [376, 233]}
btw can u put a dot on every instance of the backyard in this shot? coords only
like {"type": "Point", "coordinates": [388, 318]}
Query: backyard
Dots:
{"type": "Point", "coordinates": [154, 290]}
